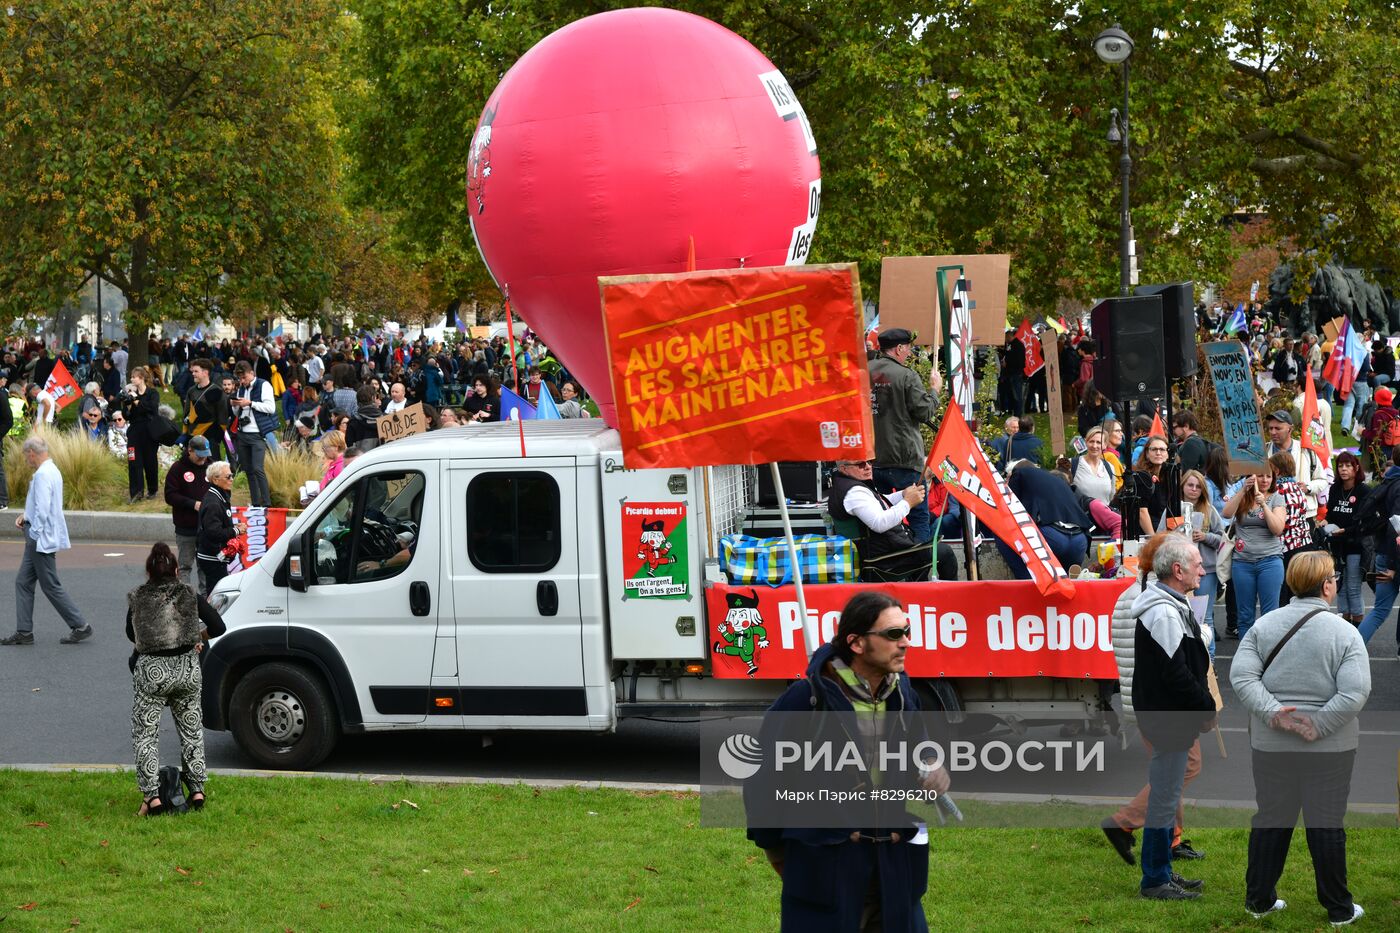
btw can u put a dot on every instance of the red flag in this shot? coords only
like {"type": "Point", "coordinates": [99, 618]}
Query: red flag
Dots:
{"type": "Point", "coordinates": [1315, 435]}
{"type": "Point", "coordinates": [958, 462]}
{"type": "Point", "coordinates": [62, 386]}
{"type": "Point", "coordinates": [1035, 359]}
{"type": "Point", "coordinates": [1157, 429]}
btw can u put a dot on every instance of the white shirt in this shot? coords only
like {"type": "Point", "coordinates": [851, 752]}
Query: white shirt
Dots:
{"type": "Point", "coordinates": [873, 514]}
{"type": "Point", "coordinates": [315, 369]}
{"type": "Point", "coordinates": [43, 510]}
{"type": "Point", "coordinates": [247, 424]}
{"type": "Point", "coordinates": [46, 408]}
{"type": "Point", "coordinates": [393, 406]}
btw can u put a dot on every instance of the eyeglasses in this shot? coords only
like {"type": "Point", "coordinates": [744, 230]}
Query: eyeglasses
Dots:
{"type": "Point", "coordinates": [860, 463]}
{"type": "Point", "coordinates": [894, 634]}
{"type": "Point", "coordinates": [1156, 450]}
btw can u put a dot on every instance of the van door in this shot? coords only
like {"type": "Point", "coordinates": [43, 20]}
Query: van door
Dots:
{"type": "Point", "coordinates": [514, 577]}
{"type": "Point", "coordinates": [373, 590]}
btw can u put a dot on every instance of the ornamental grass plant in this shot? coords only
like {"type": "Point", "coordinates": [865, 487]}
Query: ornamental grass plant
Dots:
{"type": "Point", "coordinates": [286, 471]}
{"type": "Point", "coordinates": [90, 472]}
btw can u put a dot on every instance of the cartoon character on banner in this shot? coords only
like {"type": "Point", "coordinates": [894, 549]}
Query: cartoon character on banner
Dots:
{"type": "Point", "coordinates": [654, 550]}
{"type": "Point", "coordinates": [742, 630]}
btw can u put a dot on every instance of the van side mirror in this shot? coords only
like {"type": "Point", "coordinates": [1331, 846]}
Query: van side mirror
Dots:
{"type": "Point", "coordinates": [299, 565]}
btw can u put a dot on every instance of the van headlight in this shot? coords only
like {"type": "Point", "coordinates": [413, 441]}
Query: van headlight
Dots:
{"type": "Point", "coordinates": [223, 600]}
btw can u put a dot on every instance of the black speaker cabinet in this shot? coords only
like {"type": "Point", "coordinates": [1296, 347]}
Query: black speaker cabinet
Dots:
{"type": "Point", "coordinates": [802, 482]}
{"type": "Point", "coordinates": [1178, 325]}
{"type": "Point", "coordinates": [1131, 361]}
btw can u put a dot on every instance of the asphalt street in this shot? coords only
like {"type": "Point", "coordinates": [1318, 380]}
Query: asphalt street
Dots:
{"type": "Point", "coordinates": [70, 704]}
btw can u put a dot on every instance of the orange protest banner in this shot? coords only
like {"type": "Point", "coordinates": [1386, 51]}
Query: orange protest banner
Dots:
{"type": "Point", "coordinates": [739, 366]}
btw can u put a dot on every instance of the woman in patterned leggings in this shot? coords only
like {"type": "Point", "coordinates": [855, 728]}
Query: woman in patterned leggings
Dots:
{"type": "Point", "coordinates": [164, 618]}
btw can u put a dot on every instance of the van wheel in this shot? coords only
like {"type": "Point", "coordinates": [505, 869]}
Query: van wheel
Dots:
{"type": "Point", "coordinates": [283, 715]}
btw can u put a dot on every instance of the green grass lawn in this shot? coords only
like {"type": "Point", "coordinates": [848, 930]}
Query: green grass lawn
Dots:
{"type": "Point", "coordinates": [322, 854]}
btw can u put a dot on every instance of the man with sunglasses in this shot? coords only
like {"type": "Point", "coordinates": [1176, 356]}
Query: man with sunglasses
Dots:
{"type": "Point", "coordinates": [875, 521]}
{"type": "Point", "coordinates": [855, 877]}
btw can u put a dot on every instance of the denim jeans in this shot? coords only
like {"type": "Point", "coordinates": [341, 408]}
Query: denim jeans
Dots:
{"type": "Point", "coordinates": [1068, 550]}
{"type": "Point", "coordinates": [1210, 586]}
{"type": "Point", "coordinates": [891, 478]}
{"type": "Point", "coordinates": [1261, 580]}
{"type": "Point", "coordinates": [1355, 401]}
{"type": "Point", "coordinates": [1385, 599]}
{"type": "Point", "coordinates": [1349, 597]}
{"type": "Point", "coordinates": [1166, 772]}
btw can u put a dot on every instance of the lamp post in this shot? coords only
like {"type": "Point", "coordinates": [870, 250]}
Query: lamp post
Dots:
{"type": "Point", "coordinates": [1114, 47]}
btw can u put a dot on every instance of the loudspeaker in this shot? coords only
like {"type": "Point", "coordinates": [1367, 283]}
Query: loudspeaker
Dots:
{"type": "Point", "coordinates": [1131, 362]}
{"type": "Point", "coordinates": [1178, 325]}
{"type": "Point", "coordinates": [802, 482]}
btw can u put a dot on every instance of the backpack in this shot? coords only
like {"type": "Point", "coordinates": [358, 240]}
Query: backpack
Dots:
{"type": "Point", "coordinates": [1389, 434]}
{"type": "Point", "coordinates": [172, 791]}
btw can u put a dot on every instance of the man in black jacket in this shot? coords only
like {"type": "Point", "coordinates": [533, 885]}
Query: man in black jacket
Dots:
{"type": "Point", "coordinates": [216, 525]}
{"type": "Point", "coordinates": [364, 423]}
{"type": "Point", "coordinates": [1172, 702]}
{"type": "Point", "coordinates": [7, 421]}
{"type": "Point", "coordinates": [185, 487]}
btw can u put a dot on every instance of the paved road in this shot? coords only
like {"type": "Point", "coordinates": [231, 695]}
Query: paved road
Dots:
{"type": "Point", "coordinates": [71, 704]}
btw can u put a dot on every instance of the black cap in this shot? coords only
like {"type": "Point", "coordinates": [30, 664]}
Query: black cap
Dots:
{"type": "Point", "coordinates": [1280, 415]}
{"type": "Point", "coordinates": [894, 337]}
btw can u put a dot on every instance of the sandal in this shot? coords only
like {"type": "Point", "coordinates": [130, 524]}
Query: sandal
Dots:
{"type": "Point", "coordinates": [151, 806]}
{"type": "Point", "coordinates": [197, 800]}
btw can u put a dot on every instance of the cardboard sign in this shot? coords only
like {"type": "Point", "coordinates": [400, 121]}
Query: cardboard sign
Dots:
{"type": "Point", "coordinates": [977, 629]}
{"type": "Point", "coordinates": [1332, 328]}
{"type": "Point", "coordinates": [738, 366]}
{"type": "Point", "coordinates": [1239, 407]}
{"type": "Point", "coordinates": [404, 423]}
{"type": "Point", "coordinates": [1050, 342]}
{"type": "Point", "coordinates": [655, 551]}
{"type": "Point", "coordinates": [479, 332]}
{"type": "Point", "coordinates": [909, 295]}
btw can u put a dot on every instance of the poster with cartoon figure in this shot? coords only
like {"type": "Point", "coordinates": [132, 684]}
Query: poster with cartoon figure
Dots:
{"type": "Point", "coordinates": [656, 558]}
{"type": "Point", "coordinates": [742, 633]}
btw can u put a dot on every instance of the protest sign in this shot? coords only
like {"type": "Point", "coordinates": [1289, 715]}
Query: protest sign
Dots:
{"type": "Point", "coordinates": [1003, 628]}
{"type": "Point", "coordinates": [265, 526]}
{"type": "Point", "coordinates": [62, 387]}
{"type": "Point", "coordinates": [738, 366]}
{"type": "Point", "coordinates": [909, 295]}
{"type": "Point", "coordinates": [1331, 328]}
{"type": "Point", "coordinates": [402, 423]}
{"type": "Point", "coordinates": [1051, 347]}
{"type": "Point", "coordinates": [1239, 407]}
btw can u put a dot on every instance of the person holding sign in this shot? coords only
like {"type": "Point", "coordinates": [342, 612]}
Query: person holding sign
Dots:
{"type": "Point", "coordinates": [900, 403]}
{"type": "Point", "coordinates": [1257, 569]}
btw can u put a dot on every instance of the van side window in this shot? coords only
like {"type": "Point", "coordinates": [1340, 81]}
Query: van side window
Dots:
{"type": "Point", "coordinates": [513, 522]}
{"type": "Point", "coordinates": [371, 532]}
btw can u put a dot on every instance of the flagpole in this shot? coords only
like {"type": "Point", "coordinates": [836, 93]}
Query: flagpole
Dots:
{"type": "Point", "coordinates": [811, 635]}
{"type": "Point", "coordinates": [514, 367]}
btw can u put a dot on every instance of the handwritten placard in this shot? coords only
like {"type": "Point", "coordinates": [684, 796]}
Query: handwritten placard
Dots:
{"type": "Point", "coordinates": [1239, 407]}
{"type": "Point", "coordinates": [403, 423]}
{"type": "Point", "coordinates": [1050, 346]}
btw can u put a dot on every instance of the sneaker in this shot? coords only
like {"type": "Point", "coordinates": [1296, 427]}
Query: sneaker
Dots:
{"type": "Point", "coordinates": [1190, 884]}
{"type": "Point", "coordinates": [1356, 914]}
{"type": "Point", "coordinates": [1120, 839]}
{"type": "Point", "coordinates": [18, 638]}
{"type": "Point", "coordinates": [1169, 892]}
{"type": "Point", "coordinates": [1261, 914]}
{"type": "Point", "coordinates": [76, 635]}
{"type": "Point", "coordinates": [1183, 850]}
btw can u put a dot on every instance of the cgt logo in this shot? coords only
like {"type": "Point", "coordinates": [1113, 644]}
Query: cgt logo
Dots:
{"type": "Point", "coordinates": [740, 756]}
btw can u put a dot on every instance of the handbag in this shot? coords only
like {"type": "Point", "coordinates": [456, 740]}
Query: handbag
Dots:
{"type": "Point", "coordinates": [164, 430]}
{"type": "Point", "coordinates": [1225, 557]}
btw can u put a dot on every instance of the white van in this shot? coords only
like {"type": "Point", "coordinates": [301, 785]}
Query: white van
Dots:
{"type": "Point", "coordinates": [445, 581]}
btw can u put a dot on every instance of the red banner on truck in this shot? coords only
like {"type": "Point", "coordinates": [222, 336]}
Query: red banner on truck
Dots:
{"type": "Point", "coordinates": [738, 366]}
{"type": "Point", "coordinates": [978, 629]}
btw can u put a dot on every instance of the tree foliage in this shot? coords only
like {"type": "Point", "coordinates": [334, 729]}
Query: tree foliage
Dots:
{"type": "Point", "coordinates": [184, 152]}
{"type": "Point", "coordinates": [975, 126]}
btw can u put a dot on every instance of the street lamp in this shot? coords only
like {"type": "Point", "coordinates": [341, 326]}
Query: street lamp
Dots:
{"type": "Point", "coordinates": [1114, 47]}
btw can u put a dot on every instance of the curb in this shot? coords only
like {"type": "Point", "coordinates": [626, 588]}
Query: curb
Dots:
{"type": "Point", "coordinates": [134, 527]}
{"type": "Point", "coordinates": [640, 786]}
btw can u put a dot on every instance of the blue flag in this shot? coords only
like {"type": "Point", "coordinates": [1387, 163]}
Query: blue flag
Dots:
{"type": "Point", "coordinates": [1237, 323]}
{"type": "Point", "coordinates": [198, 334]}
{"type": "Point", "coordinates": [457, 321]}
{"type": "Point", "coordinates": [276, 331]}
{"type": "Point", "coordinates": [546, 410]}
{"type": "Point", "coordinates": [515, 407]}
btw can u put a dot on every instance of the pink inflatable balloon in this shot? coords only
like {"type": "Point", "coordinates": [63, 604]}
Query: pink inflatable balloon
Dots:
{"type": "Point", "coordinates": [615, 141]}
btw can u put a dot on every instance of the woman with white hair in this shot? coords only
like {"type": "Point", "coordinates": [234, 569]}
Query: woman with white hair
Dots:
{"type": "Point", "coordinates": [216, 525]}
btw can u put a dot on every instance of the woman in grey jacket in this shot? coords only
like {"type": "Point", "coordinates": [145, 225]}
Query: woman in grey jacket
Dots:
{"type": "Point", "coordinates": [1303, 693]}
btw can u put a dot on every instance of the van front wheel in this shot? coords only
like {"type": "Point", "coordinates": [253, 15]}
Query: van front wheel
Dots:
{"type": "Point", "coordinates": [283, 716]}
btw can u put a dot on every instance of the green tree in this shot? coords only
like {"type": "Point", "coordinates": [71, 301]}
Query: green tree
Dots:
{"type": "Point", "coordinates": [975, 126]}
{"type": "Point", "coordinates": [184, 152]}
